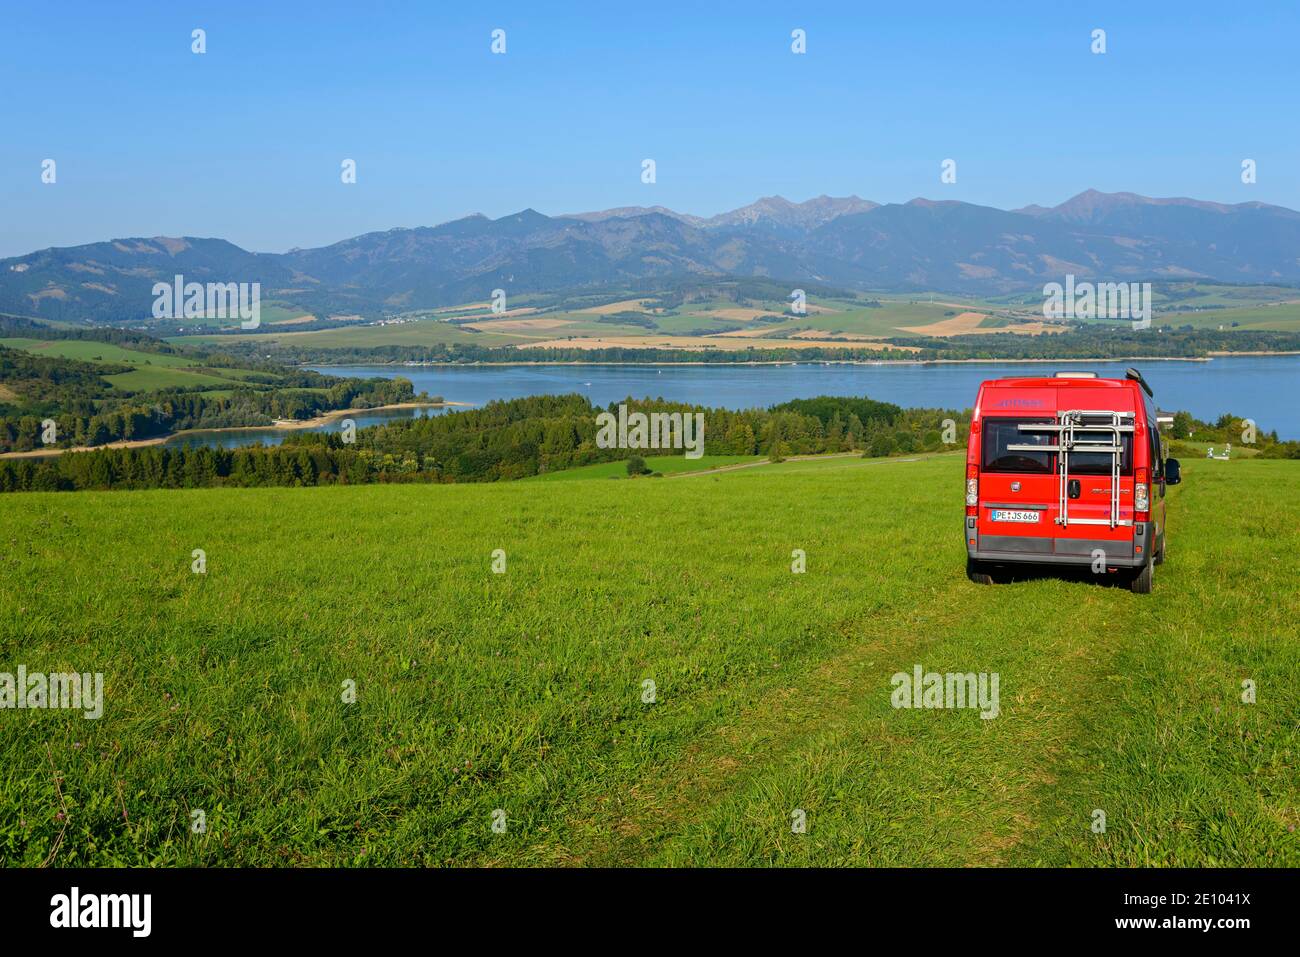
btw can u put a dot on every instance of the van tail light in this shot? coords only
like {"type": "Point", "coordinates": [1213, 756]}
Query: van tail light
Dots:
{"type": "Point", "coordinates": [972, 489]}
{"type": "Point", "coordinates": [1142, 495]}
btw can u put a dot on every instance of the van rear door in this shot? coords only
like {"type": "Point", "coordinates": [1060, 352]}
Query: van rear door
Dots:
{"type": "Point", "coordinates": [1016, 485]}
{"type": "Point", "coordinates": [1018, 488]}
{"type": "Point", "coordinates": [1088, 476]}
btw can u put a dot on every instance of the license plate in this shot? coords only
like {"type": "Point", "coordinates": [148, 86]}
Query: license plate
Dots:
{"type": "Point", "coordinates": [1005, 515]}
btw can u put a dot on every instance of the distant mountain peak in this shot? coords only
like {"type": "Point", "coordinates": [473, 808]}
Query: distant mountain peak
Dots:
{"type": "Point", "coordinates": [1092, 205]}
{"type": "Point", "coordinates": [781, 212]}
{"type": "Point", "coordinates": [631, 212]}
{"type": "Point", "coordinates": [528, 214]}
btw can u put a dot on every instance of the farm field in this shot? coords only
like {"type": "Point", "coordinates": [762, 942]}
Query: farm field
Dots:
{"type": "Point", "coordinates": [730, 324]}
{"type": "Point", "coordinates": [709, 324]}
{"type": "Point", "coordinates": [417, 332]}
{"type": "Point", "coordinates": [1283, 317]}
{"type": "Point", "coordinates": [151, 370]}
{"type": "Point", "coordinates": [93, 351]}
{"type": "Point", "coordinates": [522, 692]}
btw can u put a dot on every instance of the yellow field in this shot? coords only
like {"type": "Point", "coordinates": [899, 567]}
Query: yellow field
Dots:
{"type": "Point", "coordinates": [968, 323]}
{"type": "Point", "coordinates": [725, 343]}
{"type": "Point", "coordinates": [517, 325]}
{"type": "Point", "coordinates": [627, 305]}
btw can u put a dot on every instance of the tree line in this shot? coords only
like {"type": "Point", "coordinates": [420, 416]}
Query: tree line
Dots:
{"type": "Point", "coordinates": [504, 440]}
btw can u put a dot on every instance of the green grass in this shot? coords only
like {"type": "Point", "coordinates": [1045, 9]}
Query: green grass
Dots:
{"type": "Point", "coordinates": [523, 691]}
{"type": "Point", "coordinates": [1282, 317]}
{"type": "Point", "coordinates": [668, 464]}
{"type": "Point", "coordinates": [151, 370]}
{"type": "Point", "coordinates": [685, 324]}
{"type": "Point", "coordinates": [90, 351]}
{"type": "Point", "coordinates": [889, 320]}
{"type": "Point", "coordinates": [271, 313]}
{"type": "Point", "coordinates": [421, 332]}
{"type": "Point", "coordinates": [149, 378]}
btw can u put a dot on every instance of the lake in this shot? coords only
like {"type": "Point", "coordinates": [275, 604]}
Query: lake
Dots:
{"type": "Point", "coordinates": [1265, 388]}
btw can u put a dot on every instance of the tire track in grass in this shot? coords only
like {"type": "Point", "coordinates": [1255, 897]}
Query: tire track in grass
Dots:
{"type": "Point", "coordinates": [880, 785]}
{"type": "Point", "coordinates": [1187, 773]}
{"type": "Point", "coordinates": [1195, 785]}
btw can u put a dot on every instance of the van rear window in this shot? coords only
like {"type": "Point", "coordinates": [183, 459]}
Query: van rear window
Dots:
{"type": "Point", "coordinates": [1001, 432]}
{"type": "Point", "coordinates": [1098, 463]}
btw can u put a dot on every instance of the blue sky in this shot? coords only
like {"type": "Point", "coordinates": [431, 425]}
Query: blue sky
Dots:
{"type": "Point", "coordinates": [245, 141]}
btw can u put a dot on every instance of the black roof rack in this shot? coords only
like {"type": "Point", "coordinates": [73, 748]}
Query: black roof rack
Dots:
{"type": "Point", "coordinates": [1137, 377]}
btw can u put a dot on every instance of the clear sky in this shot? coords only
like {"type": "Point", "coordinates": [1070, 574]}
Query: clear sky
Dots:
{"type": "Point", "coordinates": [245, 141]}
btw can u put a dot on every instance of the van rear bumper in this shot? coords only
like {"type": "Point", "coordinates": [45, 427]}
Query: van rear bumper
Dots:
{"type": "Point", "coordinates": [1042, 550]}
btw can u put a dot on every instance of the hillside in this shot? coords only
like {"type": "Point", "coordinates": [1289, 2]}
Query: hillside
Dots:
{"type": "Point", "coordinates": [523, 692]}
{"type": "Point", "coordinates": [851, 242]}
{"type": "Point", "coordinates": [100, 386]}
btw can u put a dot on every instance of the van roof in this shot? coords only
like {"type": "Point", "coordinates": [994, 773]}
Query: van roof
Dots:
{"type": "Point", "coordinates": [1052, 382]}
{"type": "Point", "coordinates": [1043, 394]}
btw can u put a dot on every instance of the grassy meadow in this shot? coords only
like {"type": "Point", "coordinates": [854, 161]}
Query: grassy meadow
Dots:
{"type": "Point", "coordinates": [524, 692]}
{"type": "Point", "coordinates": [151, 370]}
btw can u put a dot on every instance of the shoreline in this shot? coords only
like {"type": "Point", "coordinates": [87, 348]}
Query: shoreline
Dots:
{"type": "Point", "coordinates": [777, 362]}
{"type": "Point", "coordinates": [280, 425]}
{"type": "Point", "coordinates": [1288, 352]}
{"type": "Point", "coordinates": [325, 418]}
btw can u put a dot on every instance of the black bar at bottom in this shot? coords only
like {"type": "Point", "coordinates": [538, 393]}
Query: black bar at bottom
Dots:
{"type": "Point", "coordinates": [938, 906]}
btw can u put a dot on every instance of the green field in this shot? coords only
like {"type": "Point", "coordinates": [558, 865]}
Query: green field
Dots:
{"type": "Point", "coordinates": [523, 692]}
{"type": "Point", "coordinates": [667, 464]}
{"type": "Point", "coordinates": [152, 370]}
{"type": "Point", "coordinates": [91, 351]}
{"type": "Point", "coordinates": [1282, 317]}
{"type": "Point", "coordinates": [420, 332]}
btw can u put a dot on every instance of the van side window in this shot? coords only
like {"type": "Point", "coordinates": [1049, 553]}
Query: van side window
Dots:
{"type": "Point", "coordinates": [1001, 432]}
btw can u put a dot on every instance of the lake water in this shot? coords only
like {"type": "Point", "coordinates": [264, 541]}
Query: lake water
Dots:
{"type": "Point", "coordinates": [1265, 388]}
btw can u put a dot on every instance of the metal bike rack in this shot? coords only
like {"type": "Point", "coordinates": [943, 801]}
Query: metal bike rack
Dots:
{"type": "Point", "coordinates": [1065, 428]}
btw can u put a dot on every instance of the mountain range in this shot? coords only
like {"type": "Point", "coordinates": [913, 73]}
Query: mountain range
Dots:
{"type": "Point", "coordinates": [848, 242]}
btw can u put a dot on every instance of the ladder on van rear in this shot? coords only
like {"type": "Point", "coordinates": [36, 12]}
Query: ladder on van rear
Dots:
{"type": "Point", "coordinates": [1068, 423]}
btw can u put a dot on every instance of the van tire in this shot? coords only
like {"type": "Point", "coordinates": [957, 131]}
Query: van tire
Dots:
{"type": "Point", "coordinates": [1142, 581]}
{"type": "Point", "coordinates": [1160, 555]}
{"type": "Point", "coordinates": [976, 572]}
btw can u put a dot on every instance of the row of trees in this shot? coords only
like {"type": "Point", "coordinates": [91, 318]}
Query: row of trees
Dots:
{"type": "Point", "coordinates": [503, 440]}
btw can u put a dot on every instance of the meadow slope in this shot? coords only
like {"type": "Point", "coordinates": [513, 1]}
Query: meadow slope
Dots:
{"type": "Point", "coordinates": [523, 691]}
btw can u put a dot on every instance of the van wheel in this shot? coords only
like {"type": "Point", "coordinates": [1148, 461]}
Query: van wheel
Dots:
{"type": "Point", "coordinates": [1160, 555]}
{"type": "Point", "coordinates": [976, 573]}
{"type": "Point", "coordinates": [1141, 582]}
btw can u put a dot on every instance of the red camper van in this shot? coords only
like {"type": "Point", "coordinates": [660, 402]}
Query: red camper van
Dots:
{"type": "Point", "coordinates": [1066, 470]}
